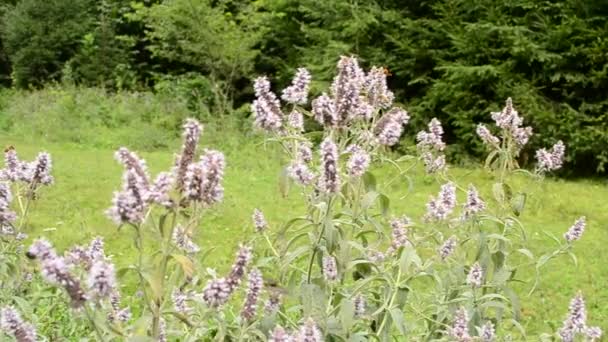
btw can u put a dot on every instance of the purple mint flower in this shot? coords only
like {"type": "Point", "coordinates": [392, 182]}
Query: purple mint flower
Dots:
{"type": "Point", "coordinates": [41, 169]}
{"type": "Point", "coordinates": [329, 181]}
{"type": "Point", "coordinates": [389, 128]}
{"type": "Point", "coordinates": [330, 268]}
{"type": "Point", "coordinates": [300, 173]}
{"type": "Point", "coordinates": [486, 136]}
{"type": "Point", "coordinates": [273, 302]}
{"type": "Point", "coordinates": [96, 249]}
{"type": "Point", "coordinates": [431, 140]}
{"type": "Point", "coordinates": [42, 250]}
{"type": "Point", "coordinates": [475, 276]}
{"type": "Point", "coordinates": [346, 88]}
{"type": "Point", "coordinates": [376, 256]}
{"type": "Point", "coordinates": [78, 255]}
{"type": "Point", "coordinates": [551, 160]}
{"type": "Point", "coordinates": [323, 110]}
{"type": "Point", "coordinates": [259, 221]}
{"type": "Point", "coordinates": [448, 247]}
{"type": "Point", "coordinates": [399, 233]}
{"type": "Point", "coordinates": [304, 152]}
{"type": "Point", "coordinates": [439, 208]}
{"type": "Point", "coordinates": [131, 162]}
{"type": "Point", "coordinates": [13, 166]}
{"type": "Point", "coordinates": [360, 305]}
{"type": "Point", "coordinates": [296, 120]}
{"type": "Point", "coordinates": [180, 301]}
{"type": "Point", "coordinates": [56, 271]}
{"type": "Point", "coordinates": [432, 164]}
{"type": "Point", "coordinates": [576, 231]}
{"type": "Point", "coordinates": [297, 92]}
{"type": "Point", "coordinates": [266, 107]}
{"type": "Point", "coordinates": [254, 288]}
{"type": "Point", "coordinates": [192, 130]}
{"type": "Point", "coordinates": [159, 190]}
{"type": "Point", "coordinates": [243, 257]}
{"type": "Point", "coordinates": [594, 333]}
{"type": "Point", "coordinates": [162, 331]}
{"type": "Point", "coordinates": [280, 335]}
{"type": "Point", "coordinates": [7, 216]}
{"type": "Point", "coordinates": [12, 324]}
{"type": "Point", "coordinates": [358, 163]}
{"type": "Point", "coordinates": [216, 292]}
{"type": "Point", "coordinates": [576, 322]}
{"type": "Point", "coordinates": [128, 205]}
{"type": "Point", "coordinates": [487, 333]}
{"type": "Point", "coordinates": [459, 330]}
{"type": "Point", "coordinates": [102, 279]}
{"type": "Point", "coordinates": [474, 203]}
{"type": "Point", "coordinates": [377, 93]}
{"type": "Point", "coordinates": [203, 180]}
{"type": "Point", "coordinates": [182, 240]}
{"type": "Point", "coordinates": [309, 332]}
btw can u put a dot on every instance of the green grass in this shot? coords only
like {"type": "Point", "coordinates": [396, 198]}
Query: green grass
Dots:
{"type": "Point", "coordinates": [72, 211]}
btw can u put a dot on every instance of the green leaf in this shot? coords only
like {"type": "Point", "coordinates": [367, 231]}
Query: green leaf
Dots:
{"type": "Point", "coordinates": [518, 203]}
{"type": "Point", "coordinates": [347, 315]}
{"type": "Point", "coordinates": [284, 183]}
{"type": "Point", "coordinates": [369, 180]}
{"type": "Point", "coordinates": [399, 320]}
{"type": "Point", "coordinates": [185, 263]}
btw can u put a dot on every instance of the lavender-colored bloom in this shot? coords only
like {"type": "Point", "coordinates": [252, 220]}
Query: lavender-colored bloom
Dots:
{"type": "Point", "coordinates": [259, 221]}
{"type": "Point", "coordinates": [389, 128]}
{"type": "Point", "coordinates": [474, 204]}
{"type": "Point", "coordinates": [96, 249]}
{"type": "Point", "coordinates": [296, 120]}
{"type": "Point", "coordinates": [132, 162]}
{"type": "Point", "coordinates": [280, 335]}
{"type": "Point", "coordinates": [181, 238]}
{"type": "Point", "coordinates": [42, 250]}
{"type": "Point", "coordinates": [329, 181]}
{"type": "Point", "coordinates": [297, 92]}
{"type": "Point", "coordinates": [576, 230]}
{"type": "Point", "coordinates": [159, 190]}
{"type": "Point", "coordinates": [273, 302]}
{"type": "Point", "coordinates": [309, 332]}
{"type": "Point", "coordinates": [266, 107]}
{"type": "Point", "coordinates": [118, 314]}
{"type": "Point", "coordinates": [102, 279]}
{"type": "Point", "coordinates": [330, 269]}
{"type": "Point", "coordinates": [162, 331]}
{"type": "Point", "coordinates": [509, 120]}
{"type": "Point", "coordinates": [191, 134]}
{"type": "Point", "coordinates": [7, 216]}
{"type": "Point", "coordinates": [475, 276]}
{"type": "Point", "coordinates": [360, 305]}
{"type": "Point", "coordinates": [522, 135]}
{"type": "Point", "coordinates": [486, 136]}
{"type": "Point", "coordinates": [78, 255]}
{"type": "Point", "coordinates": [459, 330]}
{"type": "Point", "coordinates": [243, 257]}
{"type": "Point", "coordinates": [128, 205]}
{"type": "Point", "coordinates": [487, 333]}
{"type": "Point", "coordinates": [346, 88]}
{"type": "Point", "coordinates": [377, 93]}
{"type": "Point", "coordinates": [180, 301]}
{"type": "Point", "coordinates": [433, 138]}
{"type": "Point", "coordinates": [439, 208]}
{"type": "Point", "coordinates": [576, 322]}
{"type": "Point", "coordinates": [551, 160]}
{"type": "Point", "coordinates": [304, 152]}
{"type": "Point", "coordinates": [56, 271]}
{"type": "Point", "coordinates": [376, 256]}
{"type": "Point", "coordinates": [399, 233]}
{"type": "Point", "coordinates": [13, 166]}
{"type": "Point", "coordinates": [432, 164]}
{"type": "Point", "coordinates": [358, 163]}
{"type": "Point", "coordinates": [41, 169]}
{"type": "Point", "coordinates": [300, 173]}
{"type": "Point", "coordinates": [323, 110]}
{"type": "Point", "coordinates": [594, 333]}
{"type": "Point", "coordinates": [254, 288]}
{"type": "Point", "coordinates": [203, 180]}
{"type": "Point", "coordinates": [448, 247]}
{"type": "Point", "coordinates": [12, 324]}
{"type": "Point", "coordinates": [216, 292]}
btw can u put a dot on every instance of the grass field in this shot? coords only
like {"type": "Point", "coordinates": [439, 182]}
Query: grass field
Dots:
{"type": "Point", "coordinates": [72, 211]}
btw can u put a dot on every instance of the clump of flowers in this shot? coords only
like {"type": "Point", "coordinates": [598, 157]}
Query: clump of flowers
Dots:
{"type": "Point", "coordinates": [551, 160]}
{"type": "Point", "coordinates": [430, 146]}
{"type": "Point", "coordinates": [12, 324]}
{"type": "Point", "coordinates": [441, 207]}
{"type": "Point", "coordinates": [576, 322]}
{"type": "Point", "coordinates": [576, 231]}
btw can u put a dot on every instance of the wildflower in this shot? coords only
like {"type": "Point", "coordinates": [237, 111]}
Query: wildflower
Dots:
{"type": "Point", "coordinates": [309, 332]}
{"type": "Point", "coordinates": [389, 128]}
{"type": "Point", "coordinates": [55, 271]}
{"type": "Point", "coordinates": [377, 93]}
{"type": "Point", "coordinates": [243, 257]}
{"type": "Point", "coordinates": [162, 331]}
{"type": "Point", "coordinates": [159, 190]}
{"type": "Point", "coordinates": [7, 216]}
{"type": "Point", "coordinates": [475, 276]}
{"type": "Point", "coordinates": [41, 249]}
{"type": "Point", "coordinates": [433, 138]}
{"type": "Point", "coordinates": [273, 302]}
{"type": "Point", "coordinates": [280, 335]}
{"type": "Point", "coordinates": [297, 92]}
{"type": "Point", "coordinates": [447, 248]}
{"type": "Point", "coordinates": [118, 314]}
{"type": "Point", "coordinates": [259, 221]}
{"type": "Point", "coordinates": [439, 208]}
{"type": "Point", "coordinates": [102, 279]}
{"type": "Point", "coordinates": [358, 163]}
{"type": "Point", "coordinates": [576, 231]}
{"type": "Point", "coordinates": [576, 322]}
{"type": "Point", "coordinates": [486, 136]}
{"type": "Point", "coordinates": [346, 88]}
{"type": "Point", "coordinates": [180, 301]}
{"type": "Point", "coordinates": [432, 164]}
{"type": "Point", "coordinates": [296, 120]}
{"type": "Point", "coordinates": [191, 134]}
{"type": "Point", "coordinates": [375, 256]}
{"type": "Point", "coordinates": [132, 162]}
{"type": "Point", "coordinates": [266, 107]}
{"type": "Point", "coordinates": [486, 333]}
{"type": "Point", "coordinates": [330, 178]}
{"type": "Point", "coordinates": [96, 249]}
{"type": "Point", "coordinates": [359, 304]}
{"type": "Point", "coordinates": [399, 233]}
{"type": "Point", "coordinates": [216, 292]}
{"type": "Point", "coordinates": [474, 203]}
{"type": "Point", "coordinates": [459, 330]}
{"type": "Point", "coordinates": [330, 269]}
{"type": "Point", "coordinates": [12, 324]}
{"type": "Point", "coordinates": [203, 180]}
{"type": "Point", "coordinates": [128, 205]}
{"type": "Point", "coordinates": [300, 173]}
{"type": "Point", "coordinates": [551, 160]}
{"type": "Point", "coordinates": [253, 293]}
{"type": "Point", "coordinates": [509, 120]}
{"type": "Point", "coordinates": [324, 112]}
{"type": "Point", "coordinates": [304, 152]}
{"type": "Point", "coordinates": [13, 166]}
{"type": "Point", "coordinates": [181, 238]}
{"type": "Point", "coordinates": [78, 255]}
{"type": "Point", "coordinates": [594, 333]}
